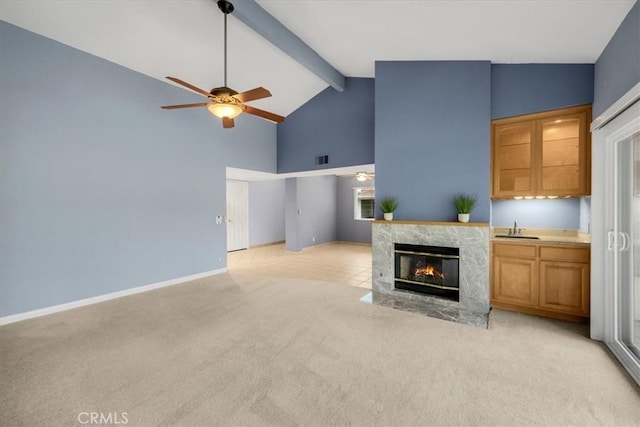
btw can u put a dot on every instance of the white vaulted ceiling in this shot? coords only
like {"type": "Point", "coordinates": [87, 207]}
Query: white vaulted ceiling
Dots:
{"type": "Point", "coordinates": [180, 38]}
{"type": "Point", "coordinates": [351, 35]}
{"type": "Point", "coordinates": [183, 38]}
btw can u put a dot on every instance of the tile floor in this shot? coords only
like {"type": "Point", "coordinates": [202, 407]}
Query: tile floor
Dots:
{"type": "Point", "coordinates": [344, 263]}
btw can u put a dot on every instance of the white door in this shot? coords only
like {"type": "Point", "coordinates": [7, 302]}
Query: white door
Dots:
{"type": "Point", "coordinates": [237, 215]}
{"type": "Point", "coordinates": [619, 141]}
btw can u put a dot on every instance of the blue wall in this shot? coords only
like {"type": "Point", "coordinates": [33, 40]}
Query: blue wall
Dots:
{"type": "Point", "coordinates": [317, 201]}
{"type": "Point", "coordinates": [518, 89]}
{"type": "Point", "coordinates": [555, 213]}
{"type": "Point", "coordinates": [266, 212]}
{"type": "Point", "coordinates": [348, 228]}
{"type": "Point", "coordinates": [585, 214]}
{"type": "Point", "coordinates": [100, 189]}
{"type": "Point", "coordinates": [618, 67]}
{"type": "Point", "coordinates": [339, 124]}
{"type": "Point", "coordinates": [310, 211]}
{"type": "Point", "coordinates": [432, 131]}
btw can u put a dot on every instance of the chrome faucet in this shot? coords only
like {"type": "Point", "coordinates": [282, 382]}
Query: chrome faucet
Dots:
{"type": "Point", "coordinates": [514, 231]}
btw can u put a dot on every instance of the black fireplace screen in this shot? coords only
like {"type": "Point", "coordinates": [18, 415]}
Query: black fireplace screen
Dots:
{"type": "Point", "coordinates": [430, 270]}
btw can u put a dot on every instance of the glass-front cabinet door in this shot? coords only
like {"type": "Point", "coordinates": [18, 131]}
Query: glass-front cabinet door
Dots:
{"type": "Point", "coordinates": [563, 157]}
{"type": "Point", "coordinates": [513, 159]}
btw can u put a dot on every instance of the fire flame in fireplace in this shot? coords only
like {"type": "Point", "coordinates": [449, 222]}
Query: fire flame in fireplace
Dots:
{"type": "Point", "coordinates": [429, 270]}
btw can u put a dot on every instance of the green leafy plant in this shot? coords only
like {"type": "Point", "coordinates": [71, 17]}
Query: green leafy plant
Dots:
{"type": "Point", "coordinates": [388, 205]}
{"type": "Point", "coordinates": [465, 203]}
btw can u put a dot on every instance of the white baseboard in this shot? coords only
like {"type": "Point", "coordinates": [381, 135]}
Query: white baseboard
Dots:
{"type": "Point", "coordinates": [106, 297]}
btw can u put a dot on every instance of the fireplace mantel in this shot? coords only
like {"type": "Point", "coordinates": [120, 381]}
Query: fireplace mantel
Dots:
{"type": "Point", "coordinates": [450, 224]}
{"type": "Point", "coordinates": [471, 238]}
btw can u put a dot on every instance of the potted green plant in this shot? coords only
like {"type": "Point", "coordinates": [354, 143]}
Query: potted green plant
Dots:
{"type": "Point", "coordinates": [464, 204]}
{"type": "Point", "coordinates": [388, 205]}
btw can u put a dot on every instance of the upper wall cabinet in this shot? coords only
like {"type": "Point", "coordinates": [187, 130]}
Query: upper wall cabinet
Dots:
{"type": "Point", "coordinates": [544, 154]}
{"type": "Point", "coordinates": [513, 158]}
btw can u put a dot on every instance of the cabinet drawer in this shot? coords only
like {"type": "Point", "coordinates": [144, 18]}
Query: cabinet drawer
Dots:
{"type": "Point", "coordinates": [514, 250]}
{"type": "Point", "coordinates": [555, 253]}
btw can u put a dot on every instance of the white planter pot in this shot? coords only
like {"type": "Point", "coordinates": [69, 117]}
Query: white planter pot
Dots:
{"type": "Point", "coordinates": [463, 217]}
{"type": "Point", "coordinates": [388, 216]}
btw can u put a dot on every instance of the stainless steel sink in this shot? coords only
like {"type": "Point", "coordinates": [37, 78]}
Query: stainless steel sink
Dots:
{"type": "Point", "coordinates": [518, 237]}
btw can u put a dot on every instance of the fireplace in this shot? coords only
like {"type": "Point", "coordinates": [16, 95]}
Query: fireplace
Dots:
{"type": "Point", "coordinates": [473, 262]}
{"type": "Point", "coordinates": [431, 270]}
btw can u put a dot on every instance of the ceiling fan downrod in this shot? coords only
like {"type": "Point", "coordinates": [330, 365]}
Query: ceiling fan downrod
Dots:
{"type": "Point", "coordinates": [226, 7]}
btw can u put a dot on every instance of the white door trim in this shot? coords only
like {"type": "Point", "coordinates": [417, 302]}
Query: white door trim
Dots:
{"type": "Point", "coordinates": [617, 107]}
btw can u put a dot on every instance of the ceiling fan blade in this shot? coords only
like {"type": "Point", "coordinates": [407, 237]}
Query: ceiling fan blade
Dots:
{"type": "Point", "coordinates": [173, 107]}
{"type": "Point", "coordinates": [227, 123]}
{"type": "Point", "coordinates": [264, 114]}
{"type": "Point", "coordinates": [190, 86]}
{"type": "Point", "coordinates": [252, 95]}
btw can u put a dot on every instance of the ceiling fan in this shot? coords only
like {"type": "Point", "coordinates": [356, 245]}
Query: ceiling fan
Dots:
{"type": "Point", "coordinates": [224, 102]}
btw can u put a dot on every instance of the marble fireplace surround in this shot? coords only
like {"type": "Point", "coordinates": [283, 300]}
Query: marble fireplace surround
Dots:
{"type": "Point", "coordinates": [471, 238]}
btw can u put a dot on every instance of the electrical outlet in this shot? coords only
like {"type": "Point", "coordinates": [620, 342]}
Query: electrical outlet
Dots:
{"type": "Point", "coordinates": [313, 239]}
{"type": "Point", "coordinates": [219, 219]}
{"type": "Point", "coordinates": [219, 259]}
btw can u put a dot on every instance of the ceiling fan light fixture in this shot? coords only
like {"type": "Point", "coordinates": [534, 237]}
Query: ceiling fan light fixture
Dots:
{"type": "Point", "coordinates": [361, 176]}
{"type": "Point", "coordinates": [224, 102]}
{"type": "Point", "coordinates": [225, 110]}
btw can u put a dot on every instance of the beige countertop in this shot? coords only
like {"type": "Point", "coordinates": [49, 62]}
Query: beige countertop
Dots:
{"type": "Point", "coordinates": [546, 235]}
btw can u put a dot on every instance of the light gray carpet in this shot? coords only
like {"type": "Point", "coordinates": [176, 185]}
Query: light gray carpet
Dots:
{"type": "Point", "coordinates": [241, 350]}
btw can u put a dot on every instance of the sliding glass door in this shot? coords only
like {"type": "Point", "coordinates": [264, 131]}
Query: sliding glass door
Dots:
{"type": "Point", "coordinates": [631, 335]}
{"type": "Point", "coordinates": [621, 139]}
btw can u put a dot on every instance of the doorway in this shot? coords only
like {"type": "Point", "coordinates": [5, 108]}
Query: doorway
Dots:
{"type": "Point", "coordinates": [237, 215]}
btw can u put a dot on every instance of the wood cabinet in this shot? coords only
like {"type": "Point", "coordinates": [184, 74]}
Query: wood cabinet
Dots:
{"type": "Point", "coordinates": [544, 154]}
{"type": "Point", "coordinates": [541, 279]}
{"type": "Point", "coordinates": [515, 274]}
{"type": "Point", "coordinates": [512, 167]}
{"type": "Point", "coordinates": [564, 279]}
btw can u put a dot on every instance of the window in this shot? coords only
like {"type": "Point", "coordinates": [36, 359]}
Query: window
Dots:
{"type": "Point", "coordinates": [364, 203]}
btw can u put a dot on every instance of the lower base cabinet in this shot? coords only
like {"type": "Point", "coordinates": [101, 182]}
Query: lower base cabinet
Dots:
{"type": "Point", "coordinates": [515, 275]}
{"type": "Point", "coordinates": [564, 286]}
{"type": "Point", "coordinates": [550, 281]}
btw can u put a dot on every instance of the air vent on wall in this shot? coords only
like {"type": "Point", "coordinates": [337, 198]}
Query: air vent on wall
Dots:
{"type": "Point", "coordinates": [322, 159]}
